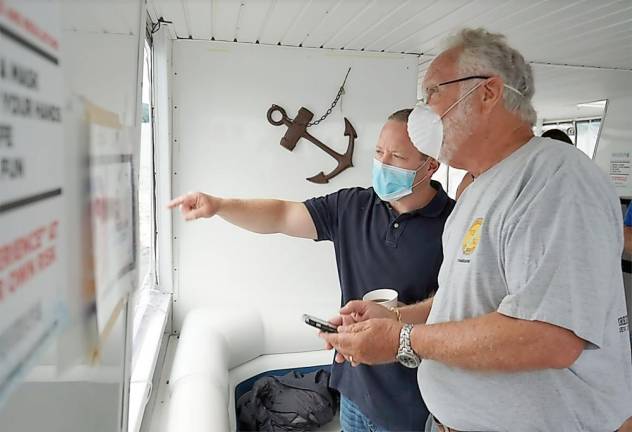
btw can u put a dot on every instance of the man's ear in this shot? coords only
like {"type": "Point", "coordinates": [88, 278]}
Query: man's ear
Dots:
{"type": "Point", "coordinates": [493, 91]}
{"type": "Point", "coordinates": [433, 166]}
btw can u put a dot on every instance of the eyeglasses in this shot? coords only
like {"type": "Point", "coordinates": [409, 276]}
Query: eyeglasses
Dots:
{"type": "Point", "coordinates": [428, 92]}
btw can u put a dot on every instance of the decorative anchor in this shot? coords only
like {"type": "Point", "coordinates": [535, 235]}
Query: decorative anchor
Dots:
{"type": "Point", "coordinates": [297, 129]}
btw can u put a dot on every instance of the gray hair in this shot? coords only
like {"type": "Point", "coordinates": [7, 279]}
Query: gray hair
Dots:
{"type": "Point", "coordinates": [488, 53]}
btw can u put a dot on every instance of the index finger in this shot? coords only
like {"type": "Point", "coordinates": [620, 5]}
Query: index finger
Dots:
{"type": "Point", "coordinates": [176, 202]}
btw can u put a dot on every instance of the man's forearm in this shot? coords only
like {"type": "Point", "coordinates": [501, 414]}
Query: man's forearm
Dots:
{"type": "Point", "coordinates": [262, 216]}
{"type": "Point", "coordinates": [495, 342]}
{"type": "Point", "coordinates": [416, 313]}
{"type": "Point", "coordinates": [268, 216]}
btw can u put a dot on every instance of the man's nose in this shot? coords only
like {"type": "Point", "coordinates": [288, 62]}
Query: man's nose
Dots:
{"type": "Point", "coordinates": [385, 158]}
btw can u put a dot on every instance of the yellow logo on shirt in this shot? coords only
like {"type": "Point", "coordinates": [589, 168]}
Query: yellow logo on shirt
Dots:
{"type": "Point", "coordinates": [472, 236]}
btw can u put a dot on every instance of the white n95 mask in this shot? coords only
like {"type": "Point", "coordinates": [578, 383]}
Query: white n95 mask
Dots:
{"type": "Point", "coordinates": [425, 130]}
{"type": "Point", "coordinates": [425, 127]}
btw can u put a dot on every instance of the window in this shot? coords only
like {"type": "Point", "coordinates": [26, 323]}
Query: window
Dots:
{"type": "Point", "coordinates": [146, 180]}
{"type": "Point", "coordinates": [151, 304]}
{"type": "Point", "coordinates": [587, 135]}
{"type": "Point", "coordinates": [567, 127]}
{"type": "Point", "coordinates": [584, 132]}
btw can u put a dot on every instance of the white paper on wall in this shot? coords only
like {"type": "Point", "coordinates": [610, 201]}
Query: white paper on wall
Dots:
{"type": "Point", "coordinates": [33, 251]}
{"type": "Point", "coordinates": [620, 164]}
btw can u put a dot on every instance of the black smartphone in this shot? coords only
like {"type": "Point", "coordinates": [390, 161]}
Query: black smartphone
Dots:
{"type": "Point", "coordinates": [320, 324]}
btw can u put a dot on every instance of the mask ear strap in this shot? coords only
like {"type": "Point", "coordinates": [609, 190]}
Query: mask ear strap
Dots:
{"type": "Point", "coordinates": [419, 182]}
{"type": "Point", "coordinates": [417, 170]}
{"type": "Point", "coordinates": [513, 89]}
{"type": "Point", "coordinates": [469, 92]}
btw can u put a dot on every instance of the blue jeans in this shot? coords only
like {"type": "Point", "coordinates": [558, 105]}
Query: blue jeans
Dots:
{"type": "Point", "coordinates": [353, 420]}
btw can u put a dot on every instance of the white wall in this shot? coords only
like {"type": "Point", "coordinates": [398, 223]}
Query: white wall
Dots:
{"type": "Point", "coordinates": [224, 145]}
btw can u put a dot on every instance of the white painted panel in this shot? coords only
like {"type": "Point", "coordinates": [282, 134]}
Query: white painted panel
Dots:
{"type": "Point", "coordinates": [389, 23]}
{"type": "Point", "coordinates": [542, 15]}
{"type": "Point", "coordinates": [409, 28]}
{"type": "Point", "coordinates": [335, 22]}
{"type": "Point", "coordinates": [155, 12]}
{"type": "Point", "coordinates": [225, 16]}
{"type": "Point", "coordinates": [188, 12]}
{"type": "Point", "coordinates": [282, 15]}
{"type": "Point", "coordinates": [410, 36]}
{"type": "Point", "coordinates": [368, 17]}
{"type": "Point", "coordinates": [567, 22]}
{"type": "Point", "coordinates": [544, 30]}
{"type": "Point", "coordinates": [171, 10]}
{"type": "Point", "coordinates": [225, 146]}
{"type": "Point", "coordinates": [253, 17]}
{"type": "Point", "coordinates": [309, 20]}
{"type": "Point", "coordinates": [490, 18]}
{"type": "Point", "coordinates": [198, 14]}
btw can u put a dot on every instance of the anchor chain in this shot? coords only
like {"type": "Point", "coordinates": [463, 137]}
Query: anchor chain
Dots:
{"type": "Point", "coordinates": [333, 104]}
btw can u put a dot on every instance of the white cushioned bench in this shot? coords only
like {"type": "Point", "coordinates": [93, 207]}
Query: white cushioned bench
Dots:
{"type": "Point", "coordinates": [220, 348]}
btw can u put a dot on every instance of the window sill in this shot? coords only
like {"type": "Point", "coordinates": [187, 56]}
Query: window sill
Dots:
{"type": "Point", "coordinates": [150, 320]}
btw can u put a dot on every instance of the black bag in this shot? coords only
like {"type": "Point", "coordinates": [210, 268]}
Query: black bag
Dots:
{"type": "Point", "coordinates": [293, 402]}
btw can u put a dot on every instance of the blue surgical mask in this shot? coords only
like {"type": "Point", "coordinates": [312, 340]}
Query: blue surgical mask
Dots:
{"type": "Point", "coordinates": [392, 183]}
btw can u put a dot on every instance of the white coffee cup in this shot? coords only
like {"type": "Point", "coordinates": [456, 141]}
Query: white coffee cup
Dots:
{"type": "Point", "coordinates": [385, 297]}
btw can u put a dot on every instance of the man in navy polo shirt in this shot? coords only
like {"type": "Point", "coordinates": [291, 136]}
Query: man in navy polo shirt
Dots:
{"type": "Point", "coordinates": [627, 230]}
{"type": "Point", "coordinates": [385, 236]}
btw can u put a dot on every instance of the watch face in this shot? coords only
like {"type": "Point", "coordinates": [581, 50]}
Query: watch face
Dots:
{"type": "Point", "coordinates": [408, 360]}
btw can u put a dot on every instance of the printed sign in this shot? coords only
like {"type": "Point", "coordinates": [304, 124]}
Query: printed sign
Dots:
{"type": "Point", "coordinates": [33, 255]}
{"type": "Point", "coordinates": [620, 168]}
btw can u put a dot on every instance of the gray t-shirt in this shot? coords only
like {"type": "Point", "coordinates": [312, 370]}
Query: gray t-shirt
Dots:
{"type": "Point", "coordinates": [537, 237]}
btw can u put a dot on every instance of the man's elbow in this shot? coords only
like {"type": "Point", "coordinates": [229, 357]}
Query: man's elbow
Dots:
{"type": "Point", "coordinates": [566, 352]}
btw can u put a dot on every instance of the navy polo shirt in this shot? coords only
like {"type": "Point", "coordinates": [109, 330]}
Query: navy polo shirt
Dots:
{"type": "Point", "coordinates": [377, 248]}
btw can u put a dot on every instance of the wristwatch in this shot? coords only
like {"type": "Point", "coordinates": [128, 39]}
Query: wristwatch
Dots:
{"type": "Point", "coordinates": [405, 354]}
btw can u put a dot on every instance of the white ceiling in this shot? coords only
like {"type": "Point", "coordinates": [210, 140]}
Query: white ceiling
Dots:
{"type": "Point", "coordinates": [581, 50]}
{"type": "Point", "coordinates": [578, 32]}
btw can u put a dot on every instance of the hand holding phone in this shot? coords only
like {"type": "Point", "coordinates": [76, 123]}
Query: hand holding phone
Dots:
{"type": "Point", "coordinates": [320, 324]}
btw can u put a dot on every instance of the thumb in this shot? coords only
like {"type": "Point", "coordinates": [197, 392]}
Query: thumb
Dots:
{"type": "Point", "coordinates": [194, 214]}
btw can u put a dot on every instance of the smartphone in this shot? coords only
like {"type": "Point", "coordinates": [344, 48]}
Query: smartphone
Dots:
{"type": "Point", "coordinates": [320, 324]}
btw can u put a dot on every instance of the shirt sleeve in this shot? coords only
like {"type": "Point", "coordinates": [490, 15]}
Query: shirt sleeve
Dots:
{"type": "Point", "coordinates": [628, 216]}
{"type": "Point", "coordinates": [324, 213]}
{"type": "Point", "coordinates": [561, 257]}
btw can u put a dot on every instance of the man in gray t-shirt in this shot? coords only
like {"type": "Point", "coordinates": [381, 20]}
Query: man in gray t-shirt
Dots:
{"type": "Point", "coordinates": [528, 330]}
{"type": "Point", "coordinates": [536, 237]}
